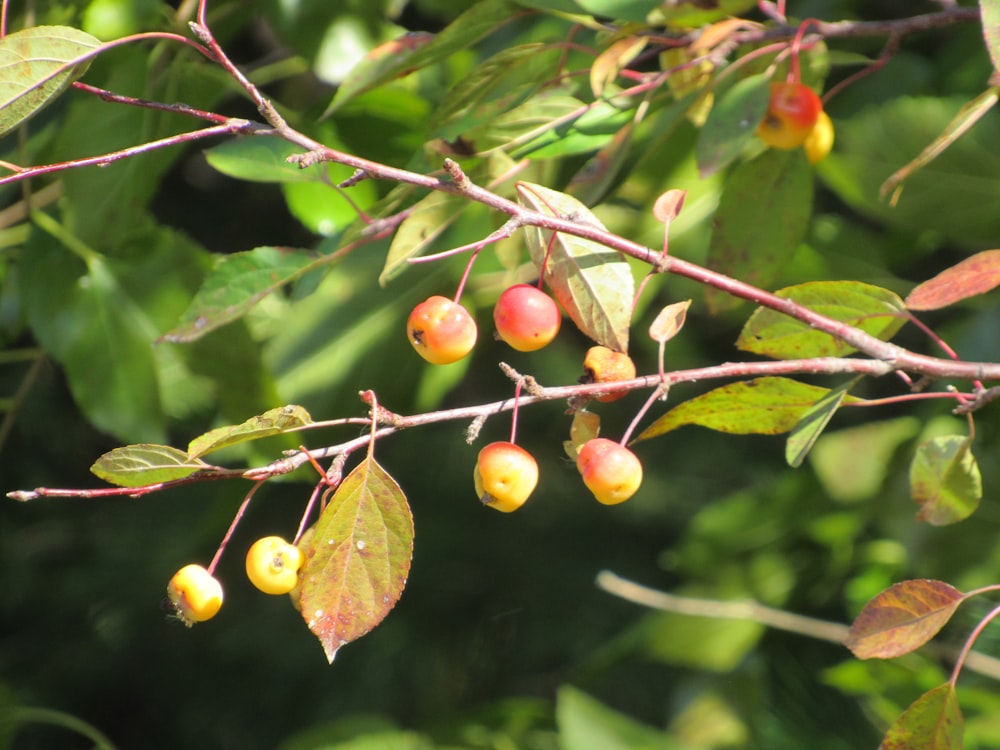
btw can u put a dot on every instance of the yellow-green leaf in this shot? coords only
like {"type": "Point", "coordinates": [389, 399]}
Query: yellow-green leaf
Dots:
{"type": "Point", "coordinates": [271, 422]}
{"type": "Point", "coordinates": [145, 463]}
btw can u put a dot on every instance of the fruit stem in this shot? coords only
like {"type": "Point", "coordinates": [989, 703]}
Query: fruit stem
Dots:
{"type": "Point", "coordinates": [232, 526]}
{"type": "Point", "coordinates": [517, 404]}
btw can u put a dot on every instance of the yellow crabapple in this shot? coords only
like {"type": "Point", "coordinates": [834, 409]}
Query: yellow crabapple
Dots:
{"type": "Point", "coordinates": [273, 565]}
{"type": "Point", "coordinates": [611, 471]}
{"type": "Point", "coordinates": [195, 594]}
{"type": "Point", "coordinates": [505, 475]}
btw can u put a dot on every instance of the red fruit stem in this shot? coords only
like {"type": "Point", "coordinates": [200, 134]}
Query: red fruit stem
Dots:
{"type": "Point", "coordinates": [232, 526]}
{"type": "Point", "coordinates": [971, 640]}
{"type": "Point", "coordinates": [517, 403]}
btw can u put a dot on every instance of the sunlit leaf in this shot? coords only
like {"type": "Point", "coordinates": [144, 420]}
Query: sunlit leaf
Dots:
{"type": "Point", "coordinates": [669, 321]}
{"type": "Point", "coordinates": [761, 219]}
{"type": "Point", "coordinates": [932, 722]}
{"type": "Point", "coordinates": [260, 159]}
{"type": "Point", "coordinates": [811, 425]}
{"type": "Point", "coordinates": [989, 12]}
{"type": "Point", "coordinates": [593, 283]}
{"type": "Point", "coordinates": [668, 206]}
{"type": "Point", "coordinates": [357, 558]}
{"type": "Point", "coordinates": [613, 60]}
{"type": "Point", "coordinates": [977, 274]}
{"type": "Point", "coordinates": [271, 422]}
{"type": "Point", "coordinates": [732, 123]}
{"type": "Point", "coordinates": [586, 425]}
{"type": "Point", "coordinates": [36, 65]}
{"type": "Point", "coordinates": [945, 480]}
{"type": "Point", "coordinates": [237, 283]}
{"type": "Point", "coordinates": [427, 221]}
{"type": "Point", "coordinates": [763, 406]}
{"type": "Point", "coordinates": [874, 310]}
{"type": "Point", "coordinates": [621, 10]}
{"type": "Point", "coordinates": [902, 618]}
{"type": "Point", "coordinates": [586, 724]}
{"type": "Point", "coordinates": [145, 463]}
{"type": "Point", "coordinates": [410, 54]}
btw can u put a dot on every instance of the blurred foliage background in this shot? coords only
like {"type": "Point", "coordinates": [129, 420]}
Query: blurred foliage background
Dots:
{"type": "Point", "coordinates": [501, 640]}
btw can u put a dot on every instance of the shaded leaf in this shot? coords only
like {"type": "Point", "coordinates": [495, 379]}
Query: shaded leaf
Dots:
{"type": "Point", "coordinates": [586, 724]}
{"type": "Point", "coordinates": [408, 55]}
{"type": "Point", "coordinates": [145, 463]}
{"type": "Point", "coordinates": [564, 126]}
{"type": "Point", "coordinates": [593, 283]}
{"type": "Point", "coordinates": [762, 217]}
{"type": "Point", "coordinates": [595, 178]}
{"type": "Point", "coordinates": [357, 558]}
{"type": "Point", "coordinates": [428, 220]}
{"type": "Point", "coordinates": [36, 66]}
{"type": "Point", "coordinates": [763, 406]}
{"type": "Point", "coordinates": [732, 123]}
{"type": "Point", "coordinates": [811, 425]}
{"type": "Point", "coordinates": [237, 283]}
{"type": "Point", "coordinates": [874, 310]}
{"type": "Point", "coordinates": [586, 426]}
{"type": "Point", "coordinates": [272, 422]}
{"type": "Point", "coordinates": [902, 618]}
{"type": "Point", "coordinates": [977, 274]}
{"type": "Point", "coordinates": [612, 61]}
{"type": "Point", "coordinates": [260, 159]}
{"type": "Point", "coordinates": [945, 480]}
{"type": "Point", "coordinates": [932, 722]}
{"type": "Point", "coordinates": [669, 321]}
{"type": "Point", "coordinates": [967, 116]}
{"type": "Point", "coordinates": [989, 12]}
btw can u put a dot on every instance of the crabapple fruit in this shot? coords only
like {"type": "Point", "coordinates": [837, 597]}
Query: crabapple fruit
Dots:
{"type": "Point", "coordinates": [604, 365]}
{"type": "Point", "coordinates": [273, 565]}
{"type": "Point", "coordinates": [819, 143]}
{"type": "Point", "coordinates": [792, 113]}
{"type": "Point", "coordinates": [505, 475]}
{"type": "Point", "coordinates": [526, 317]}
{"type": "Point", "coordinates": [611, 471]}
{"type": "Point", "coordinates": [195, 594]}
{"type": "Point", "coordinates": [441, 330]}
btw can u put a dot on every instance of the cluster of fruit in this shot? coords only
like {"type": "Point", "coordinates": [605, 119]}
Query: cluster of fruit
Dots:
{"type": "Point", "coordinates": [795, 117]}
{"type": "Point", "coordinates": [272, 566]}
{"type": "Point", "coordinates": [526, 318]}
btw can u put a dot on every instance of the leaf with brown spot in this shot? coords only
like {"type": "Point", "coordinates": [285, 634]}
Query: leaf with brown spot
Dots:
{"type": "Point", "coordinates": [902, 618]}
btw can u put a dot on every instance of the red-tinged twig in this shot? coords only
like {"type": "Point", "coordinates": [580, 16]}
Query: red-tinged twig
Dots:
{"type": "Point", "coordinates": [232, 526]}
{"type": "Point", "coordinates": [178, 108]}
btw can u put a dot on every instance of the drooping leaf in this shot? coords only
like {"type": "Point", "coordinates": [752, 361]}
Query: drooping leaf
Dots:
{"type": "Point", "coordinates": [612, 61]}
{"type": "Point", "coordinates": [872, 309]}
{"type": "Point", "coordinates": [668, 206]}
{"type": "Point", "coordinates": [586, 426]}
{"type": "Point", "coordinates": [967, 116]}
{"type": "Point", "coordinates": [145, 463]}
{"type": "Point", "coordinates": [261, 159]}
{"type": "Point", "coordinates": [761, 219]}
{"type": "Point", "coordinates": [593, 283]}
{"type": "Point", "coordinates": [669, 321]}
{"type": "Point", "coordinates": [902, 618]}
{"type": "Point", "coordinates": [409, 55]}
{"type": "Point", "coordinates": [427, 221]}
{"type": "Point", "coordinates": [945, 480]}
{"type": "Point", "coordinates": [977, 274]}
{"type": "Point", "coordinates": [989, 13]}
{"type": "Point", "coordinates": [586, 724]}
{"type": "Point", "coordinates": [36, 65]}
{"type": "Point", "coordinates": [762, 406]}
{"type": "Point", "coordinates": [560, 126]}
{"type": "Point", "coordinates": [272, 422]}
{"type": "Point", "coordinates": [237, 283]}
{"type": "Point", "coordinates": [357, 558]}
{"type": "Point", "coordinates": [811, 425]}
{"type": "Point", "coordinates": [731, 123]}
{"type": "Point", "coordinates": [932, 722]}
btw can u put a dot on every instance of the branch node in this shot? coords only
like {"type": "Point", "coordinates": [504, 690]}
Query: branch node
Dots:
{"type": "Point", "coordinates": [360, 175]}
{"type": "Point", "coordinates": [461, 180]}
{"type": "Point", "coordinates": [308, 159]}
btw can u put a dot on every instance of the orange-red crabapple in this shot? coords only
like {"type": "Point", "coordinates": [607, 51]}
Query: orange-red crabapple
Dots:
{"type": "Point", "coordinates": [441, 330]}
{"type": "Point", "coordinates": [611, 471]}
{"type": "Point", "coordinates": [196, 595]}
{"type": "Point", "coordinates": [526, 318]}
{"type": "Point", "coordinates": [792, 113]}
{"type": "Point", "coordinates": [505, 476]}
{"type": "Point", "coordinates": [604, 365]}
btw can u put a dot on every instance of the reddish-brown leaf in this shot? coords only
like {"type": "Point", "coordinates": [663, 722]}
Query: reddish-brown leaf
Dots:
{"type": "Point", "coordinates": [902, 618]}
{"type": "Point", "coordinates": [974, 275]}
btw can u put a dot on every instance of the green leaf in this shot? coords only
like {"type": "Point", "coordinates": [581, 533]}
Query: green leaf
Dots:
{"type": "Point", "coordinates": [237, 283]}
{"type": "Point", "coordinates": [762, 217]}
{"type": "Point", "coordinates": [36, 66]}
{"type": "Point", "coordinates": [429, 218]}
{"type": "Point", "coordinates": [145, 463]}
{"type": "Point", "coordinates": [593, 283]}
{"type": "Point", "coordinates": [762, 406]}
{"type": "Point", "coordinates": [357, 558]}
{"type": "Point", "coordinates": [407, 55]}
{"type": "Point", "coordinates": [811, 425]}
{"type": "Point", "coordinates": [902, 618]}
{"type": "Point", "coordinates": [620, 10]}
{"type": "Point", "coordinates": [874, 310]}
{"type": "Point", "coordinates": [272, 422]}
{"type": "Point", "coordinates": [945, 480]}
{"type": "Point", "coordinates": [932, 722]}
{"type": "Point", "coordinates": [989, 12]}
{"type": "Point", "coordinates": [732, 123]}
{"type": "Point", "coordinates": [977, 274]}
{"type": "Point", "coordinates": [261, 159]}
{"type": "Point", "coordinates": [586, 724]}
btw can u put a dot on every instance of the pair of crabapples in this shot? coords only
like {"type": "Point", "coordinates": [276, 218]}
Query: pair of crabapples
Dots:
{"type": "Point", "coordinates": [442, 331]}
{"type": "Point", "coordinates": [506, 474]}
{"type": "Point", "coordinates": [272, 565]}
{"type": "Point", "coordinates": [795, 118]}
